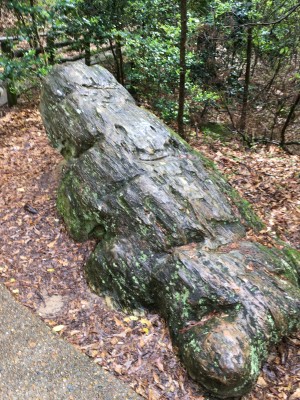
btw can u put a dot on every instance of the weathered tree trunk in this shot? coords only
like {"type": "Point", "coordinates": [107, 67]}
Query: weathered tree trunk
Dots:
{"type": "Point", "coordinates": [168, 236]}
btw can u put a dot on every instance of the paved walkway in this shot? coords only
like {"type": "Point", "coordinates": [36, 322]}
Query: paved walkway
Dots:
{"type": "Point", "coordinates": [37, 364]}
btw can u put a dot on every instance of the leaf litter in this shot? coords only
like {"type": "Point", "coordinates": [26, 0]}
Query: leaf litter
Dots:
{"type": "Point", "coordinates": [43, 267]}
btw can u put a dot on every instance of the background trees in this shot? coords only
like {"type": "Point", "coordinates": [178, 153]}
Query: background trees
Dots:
{"type": "Point", "coordinates": [239, 60]}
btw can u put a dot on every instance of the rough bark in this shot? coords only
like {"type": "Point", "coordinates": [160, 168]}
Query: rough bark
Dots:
{"type": "Point", "coordinates": [167, 235]}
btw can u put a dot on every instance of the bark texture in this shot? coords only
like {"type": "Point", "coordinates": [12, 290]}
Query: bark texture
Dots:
{"type": "Point", "coordinates": [168, 237]}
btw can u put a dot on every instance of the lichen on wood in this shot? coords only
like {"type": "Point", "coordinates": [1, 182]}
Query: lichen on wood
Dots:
{"type": "Point", "coordinates": [167, 235]}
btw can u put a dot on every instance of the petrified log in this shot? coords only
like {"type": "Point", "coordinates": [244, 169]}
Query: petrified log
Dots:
{"type": "Point", "coordinates": [168, 237]}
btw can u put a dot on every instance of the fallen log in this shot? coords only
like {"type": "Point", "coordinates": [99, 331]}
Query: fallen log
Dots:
{"type": "Point", "coordinates": [168, 237]}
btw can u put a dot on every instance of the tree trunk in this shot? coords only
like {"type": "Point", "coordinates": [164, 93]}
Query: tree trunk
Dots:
{"type": "Point", "coordinates": [120, 61]}
{"type": "Point", "coordinates": [87, 51]}
{"type": "Point", "coordinates": [182, 66]}
{"type": "Point", "coordinates": [167, 235]}
{"type": "Point", "coordinates": [288, 119]}
{"type": "Point", "coordinates": [51, 49]}
{"type": "Point", "coordinates": [243, 119]}
{"type": "Point", "coordinates": [116, 60]}
{"type": "Point", "coordinates": [35, 37]}
{"type": "Point", "coordinates": [12, 98]}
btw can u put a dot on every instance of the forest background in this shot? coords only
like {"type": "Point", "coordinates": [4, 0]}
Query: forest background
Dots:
{"type": "Point", "coordinates": [234, 62]}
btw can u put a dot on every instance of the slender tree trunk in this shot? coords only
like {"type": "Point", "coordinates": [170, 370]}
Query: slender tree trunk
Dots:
{"type": "Point", "coordinates": [280, 104]}
{"type": "Point", "coordinates": [288, 119]}
{"type": "Point", "coordinates": [256, 57]}
{"type": "Point", "coordinates": [35, 37]}
{"type": "Point", "coordinates": [51, 49]}
{"type": "Point", "coordinates": [120, 61]}
{"type": "Point", "coordinates": [243, 119]}
{"type": "Point", "coordinates": [183, 38]}
{"type": "Point", "coordinates": [87, 51]}
{"type": "Point", "coordinates": [12, 98]}
{"type": "Point", "coordinates": [269, 85]}
{"type": "Point", "coordinates": [117, 66]}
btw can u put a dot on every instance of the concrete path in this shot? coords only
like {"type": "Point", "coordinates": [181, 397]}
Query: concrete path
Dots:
{"type": "Point", "coordinates": [37, 364]}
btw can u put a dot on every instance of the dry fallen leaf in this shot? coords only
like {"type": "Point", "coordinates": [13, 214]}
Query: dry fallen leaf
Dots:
{"type": "Point", "coordinates": [159, 365]}
{"type": "Point", "coordinates": [146, 322]}
{"type": "Point", "coordinates": [295, 395]}
{"type": "Point", "coordinates": [118, 369]}
{"type": "Point", "coordinates": [58, 328]}
{"type": "Point", "coordinates": [261, 382]}
{"type": "Point", "coordinates": [153, 394]}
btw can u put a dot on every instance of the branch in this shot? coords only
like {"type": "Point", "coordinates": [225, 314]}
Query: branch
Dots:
{"type": "Point", "coordinates": [292, 143]}
{"type": "Point", "coordinates": [17, 38]}
{"type": "Point", "coordinates": [67, 59]}
{"type": "Point", "coordinates": [276, 143]}
{"type": "Point", "coordinates": [289, 118]}
{"type": "Point", "coordinates": [81, 56]}
{"type": "Point", "coordinates": [290, 11]}
{"type": "Point", "coordinates": [20, 52]}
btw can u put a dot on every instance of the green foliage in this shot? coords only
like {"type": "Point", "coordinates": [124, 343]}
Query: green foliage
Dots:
{"type": "Point", "coordinates": [217, 132]}
{"type": "Point", "coordinates": [29, 18]}
{"type": "Point", "coordinates": [22, 72]}
{"type": "Point", "coordinates": [152, 53]}
{"type": "Point", "coordinates": [145, 37]}
{"type": "Point", "coordinates": [76, 19]}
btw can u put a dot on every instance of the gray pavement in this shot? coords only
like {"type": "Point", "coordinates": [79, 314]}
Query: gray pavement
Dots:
{"type": "Point", "coordinates": [37, 364]}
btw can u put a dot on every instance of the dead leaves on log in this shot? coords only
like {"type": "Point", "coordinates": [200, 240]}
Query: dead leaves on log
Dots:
{"type": "Point", "coordinates": [42, 266]}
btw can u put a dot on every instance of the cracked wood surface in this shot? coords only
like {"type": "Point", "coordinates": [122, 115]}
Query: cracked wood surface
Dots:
{"type": "Point", "coordinates": [160, 217]}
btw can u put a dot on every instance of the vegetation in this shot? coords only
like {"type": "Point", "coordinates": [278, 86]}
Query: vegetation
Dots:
{"type": "Point", "coordinates": [229, 61]}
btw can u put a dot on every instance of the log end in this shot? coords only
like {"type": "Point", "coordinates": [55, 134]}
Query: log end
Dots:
{"type": "Point", "coordinates": [222, 358]}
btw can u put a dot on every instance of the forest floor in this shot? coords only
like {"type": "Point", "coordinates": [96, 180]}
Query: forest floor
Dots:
{"type": "Point", "coordinates": [43, 267]}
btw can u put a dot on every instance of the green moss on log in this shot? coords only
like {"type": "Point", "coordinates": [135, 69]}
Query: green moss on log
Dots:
{"type": "Point", "coordinates": [170, 239]}
{"type": "Point", "coordinates": [81, 223]}
{"type": "Point", "coordinates": [244, 207]}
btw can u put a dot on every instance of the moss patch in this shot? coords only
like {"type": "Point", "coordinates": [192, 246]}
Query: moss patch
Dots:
{"type": "Point", "coordinates": [81, 223]}
{"type": "Point", "coordinates": [285, 262]}
{"type": "Point", "coordinates": [245, 209]}
{"type": "Point", "coordinates": [293, 256]}
{"type": "Point", "coordinates": [216, 131]}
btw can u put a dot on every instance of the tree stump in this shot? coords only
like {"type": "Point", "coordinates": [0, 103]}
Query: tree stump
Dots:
{"type": "Point", "coordinates": [168, 236]}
